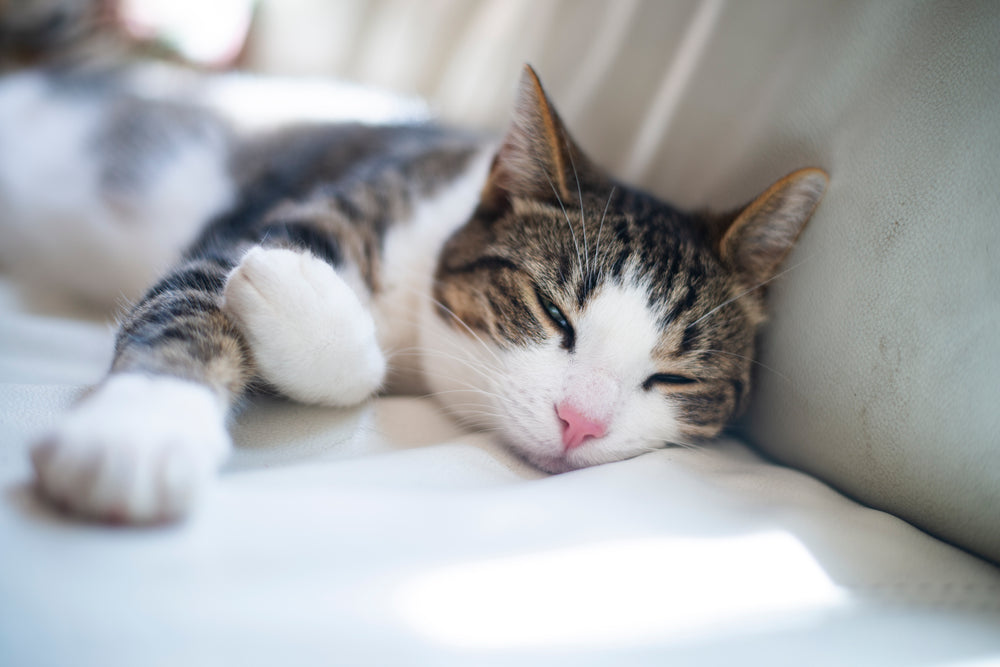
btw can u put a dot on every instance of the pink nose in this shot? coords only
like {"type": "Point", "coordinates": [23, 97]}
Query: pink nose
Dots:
{"type": "Point", "coordinates": [577, 427]}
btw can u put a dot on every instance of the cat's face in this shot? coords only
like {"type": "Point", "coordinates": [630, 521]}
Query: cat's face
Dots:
{"type": "Point", "coordinates": [587, 322]}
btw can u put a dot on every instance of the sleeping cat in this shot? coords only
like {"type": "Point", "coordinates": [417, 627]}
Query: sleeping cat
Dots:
{"type": "Point", "coordinates": [583, 320]}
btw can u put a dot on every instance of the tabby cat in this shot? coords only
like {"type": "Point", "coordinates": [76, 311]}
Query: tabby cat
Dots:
{"type": "Point", "coordinates": [583, 320]}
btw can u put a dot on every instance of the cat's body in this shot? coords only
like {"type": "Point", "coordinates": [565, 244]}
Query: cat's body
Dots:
{"type": "Point", "coordinates": [583, 320]}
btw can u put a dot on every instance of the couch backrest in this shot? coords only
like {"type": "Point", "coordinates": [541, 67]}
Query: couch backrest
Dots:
{"type": "Point", "coordinates": [880, 369]}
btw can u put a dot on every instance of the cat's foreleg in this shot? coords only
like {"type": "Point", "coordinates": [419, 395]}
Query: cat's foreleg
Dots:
{"type": "Point", "coordinates": [309, 333]}
{"type": "Point", "coordinates": [145, 443]}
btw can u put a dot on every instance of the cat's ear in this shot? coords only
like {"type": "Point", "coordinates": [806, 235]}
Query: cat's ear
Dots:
{"type": "Point", "coordinates": [763, 232]}
{"type": "Point", "coordinates": [537, 158]}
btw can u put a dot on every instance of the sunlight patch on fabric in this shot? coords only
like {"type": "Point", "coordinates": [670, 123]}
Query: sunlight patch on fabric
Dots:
{"type": "Point", "coordinates": [623, 592]}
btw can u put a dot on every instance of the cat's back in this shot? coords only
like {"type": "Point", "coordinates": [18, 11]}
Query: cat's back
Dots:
{"type": "Point", "coordinates": [129, 164]}
{"type": "Point", "coordinates": [336, 160]}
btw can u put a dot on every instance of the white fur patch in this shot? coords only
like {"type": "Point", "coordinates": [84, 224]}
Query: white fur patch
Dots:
{"type": "Point", "coordinates": [517, 391]}
{"type": "Point", "coordinates": [63, 227]}
{"type": "Point", "coordinates": [410, 256]}
{"type": "Point", "coordinates": [139, 449]}
{"type": "Point", "coordinates": [310, 335]}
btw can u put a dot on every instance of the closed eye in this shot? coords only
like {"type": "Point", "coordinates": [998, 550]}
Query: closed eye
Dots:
{"type": "Point", "coordinates": [558, 319]}
{"type": "Point", "coordinates": [666, 380]}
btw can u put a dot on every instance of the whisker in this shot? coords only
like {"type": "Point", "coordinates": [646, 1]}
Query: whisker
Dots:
{"type": "Point", "coordinates": [597, 248]}
{"type": "Point", "coordinates": [457, 319]}
{"type": "Point", "coordinates": [480, 428]}
{"type": "Point", "coordinates": [480, 419]}
{"type": "Point", "coordinates": [579, 258]}
{"type": "Point", "coordinates": [466, 410]}
{"type": "Point", "coordinates": [450, 378]}
{"type": "Point", "coordinates": [433, 394]}
{"type": "Point", "coordinates": [484, 371]}
{"type": "Point", "coordinates": [468, 358]}
{"type": "Point", "coordinates": [684, 445]}
{"type": "Point", "coordinates": [583, 217]}
{"type": "Point", "coordinates": [469, 412]}
{"type": "Point", "coordinates": [470, 390]}
{"type": "Point", "coordinates": [745, 292]}
{"type": "Point", "coordinates": [656, 443]}
{"type": "Point", "coordinates": [746, 358]}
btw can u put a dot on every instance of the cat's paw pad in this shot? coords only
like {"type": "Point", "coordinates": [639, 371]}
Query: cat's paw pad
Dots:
{"type": "Point", "coordinates": [139, 450]}
{"type": "Point", "coordinates": [310, 335]}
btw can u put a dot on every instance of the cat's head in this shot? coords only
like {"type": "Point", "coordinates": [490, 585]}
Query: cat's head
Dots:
{"type": "Point", "coordinates": [586, 321]}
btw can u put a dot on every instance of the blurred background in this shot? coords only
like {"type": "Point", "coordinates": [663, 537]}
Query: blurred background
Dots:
{"type": "Point", "coordinates": [464, 57]}
{"type": "Point", "coordinates": [624, 74]}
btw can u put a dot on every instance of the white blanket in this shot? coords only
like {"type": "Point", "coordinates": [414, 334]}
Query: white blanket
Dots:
{"type": "Point", "coordinates": [384, 535]}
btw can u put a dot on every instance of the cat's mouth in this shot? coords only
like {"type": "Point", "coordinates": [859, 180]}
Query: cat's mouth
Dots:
{"type": "Point", "coordinates": [553, 465]}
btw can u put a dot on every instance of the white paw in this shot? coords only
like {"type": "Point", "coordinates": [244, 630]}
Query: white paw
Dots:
{"type": "Point", "coordinates": [140, 449]}
{"type": "Point", "coordinates": [311, 337]}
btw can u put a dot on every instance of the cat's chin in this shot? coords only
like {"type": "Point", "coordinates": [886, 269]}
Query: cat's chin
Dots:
{"type": "Point", "coordinates": [557, 464]}
{"type": "Point", "coordinates": [553, 465]}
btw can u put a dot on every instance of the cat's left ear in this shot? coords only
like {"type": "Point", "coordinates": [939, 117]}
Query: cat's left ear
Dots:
{"type": "Point", "coordinates": [766, 229]}
{"type": "Point", "coordinates": [537, 158]}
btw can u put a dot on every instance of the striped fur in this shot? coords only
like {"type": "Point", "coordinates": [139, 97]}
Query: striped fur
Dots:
{"type": "Point", "coordinates": [332, 192]}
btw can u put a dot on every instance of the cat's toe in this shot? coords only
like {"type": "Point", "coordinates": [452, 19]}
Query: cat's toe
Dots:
{"type": "Point", "coordinates": [139, 450]}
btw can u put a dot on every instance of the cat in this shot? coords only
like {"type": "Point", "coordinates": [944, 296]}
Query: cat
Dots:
{"type": "Point", "coordinates": [583, 320]}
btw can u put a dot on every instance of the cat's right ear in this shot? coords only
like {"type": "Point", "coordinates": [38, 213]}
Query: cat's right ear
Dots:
{"type": "Point", "coordinates": [765, 230]}
{"type": "Point", "coordinates": [537, 158]}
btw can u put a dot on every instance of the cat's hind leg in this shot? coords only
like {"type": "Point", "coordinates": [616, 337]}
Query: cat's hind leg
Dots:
{"type": "Point", "coordinates": [309, 333]}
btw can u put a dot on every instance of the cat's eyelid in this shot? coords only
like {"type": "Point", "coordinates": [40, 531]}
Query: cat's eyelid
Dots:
{"type": "Point", "coordinates": [558, 317]}
{"type": "Point", "coordinates": [668, 380]}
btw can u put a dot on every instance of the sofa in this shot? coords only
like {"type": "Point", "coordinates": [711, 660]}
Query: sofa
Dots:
{"type": "Point", "coordinates": [850, 517]}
